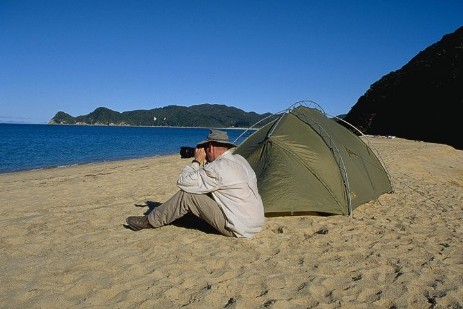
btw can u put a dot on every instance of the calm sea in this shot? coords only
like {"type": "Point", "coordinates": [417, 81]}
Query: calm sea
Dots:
{"type": "Point", "coordinates": [39, 146]}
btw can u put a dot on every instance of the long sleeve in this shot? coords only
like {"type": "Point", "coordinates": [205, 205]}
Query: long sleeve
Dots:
{"type": "Point", "coordinates": [233, 184]}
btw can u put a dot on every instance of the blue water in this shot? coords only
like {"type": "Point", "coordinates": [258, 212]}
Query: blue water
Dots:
{"type": "Point", "coordinates": [39, 146]}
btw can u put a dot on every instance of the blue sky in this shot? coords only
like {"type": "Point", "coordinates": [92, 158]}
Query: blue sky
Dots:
{"type": "Point", "coordinates": [261, 56]}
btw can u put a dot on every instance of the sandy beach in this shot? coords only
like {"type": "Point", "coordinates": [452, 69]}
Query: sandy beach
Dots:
{"type": "Point", "coordinates": [63, 244]}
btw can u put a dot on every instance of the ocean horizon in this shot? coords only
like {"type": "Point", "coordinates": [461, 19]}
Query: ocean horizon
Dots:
{"type": "Point", "coordinates": [26, 147]}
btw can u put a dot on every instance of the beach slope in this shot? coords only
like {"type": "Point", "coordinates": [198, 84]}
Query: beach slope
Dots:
{"type": "Point", "coordinates": [63, 244]}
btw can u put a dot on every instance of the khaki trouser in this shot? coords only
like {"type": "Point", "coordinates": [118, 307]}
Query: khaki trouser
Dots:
{"type": "Point", "coordinates": [181, 203]}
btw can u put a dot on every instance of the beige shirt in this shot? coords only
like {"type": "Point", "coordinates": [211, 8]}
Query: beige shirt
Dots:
{"type": "Point", "coordinates": [233, 184]}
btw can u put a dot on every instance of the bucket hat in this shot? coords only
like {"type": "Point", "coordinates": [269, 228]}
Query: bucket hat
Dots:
{"type": "Point", "coordinates": [217, 136]}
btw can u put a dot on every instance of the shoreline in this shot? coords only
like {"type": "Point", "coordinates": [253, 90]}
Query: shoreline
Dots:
{"type": "Point", "coordinates": [87, 163]}
{"type": "Point", "coordinates": [132, 126]}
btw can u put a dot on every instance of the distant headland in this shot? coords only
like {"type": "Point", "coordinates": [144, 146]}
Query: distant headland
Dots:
{"type": "Point", "coordinates": [202, 115]}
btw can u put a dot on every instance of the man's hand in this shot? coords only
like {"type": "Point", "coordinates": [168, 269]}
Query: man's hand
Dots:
{"type": "Point", "coordinates": [200, 155]}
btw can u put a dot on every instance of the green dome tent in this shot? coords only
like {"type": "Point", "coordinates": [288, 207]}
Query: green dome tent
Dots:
{"type": "Point", "coordinates": [307, 163]}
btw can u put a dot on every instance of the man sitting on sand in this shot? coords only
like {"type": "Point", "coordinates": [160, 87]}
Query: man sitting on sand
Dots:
{"type": "Point", "coordinates": [217, 186]}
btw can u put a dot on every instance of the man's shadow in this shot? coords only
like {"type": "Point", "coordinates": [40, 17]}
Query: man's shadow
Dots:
{"type": "Point", "coordinates": [189, 221]}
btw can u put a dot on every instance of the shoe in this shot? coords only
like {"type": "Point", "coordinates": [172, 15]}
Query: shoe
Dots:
{"type": "Point", "coordinates": [136, 223]}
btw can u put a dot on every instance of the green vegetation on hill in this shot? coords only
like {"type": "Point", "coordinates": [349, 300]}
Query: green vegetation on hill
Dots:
{"type": "Point", "coordinates": [203, 115]}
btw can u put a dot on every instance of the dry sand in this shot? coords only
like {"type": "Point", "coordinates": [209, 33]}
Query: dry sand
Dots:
{"type": "Point", "coordinates": [63, 244]}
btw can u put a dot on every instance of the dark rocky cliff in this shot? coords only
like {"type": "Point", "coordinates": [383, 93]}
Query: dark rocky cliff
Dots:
{"type": "Point", "coordinates": [421, 100]}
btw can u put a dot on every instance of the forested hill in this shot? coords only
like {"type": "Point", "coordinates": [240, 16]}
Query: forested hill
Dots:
{"type": "Point", "coordinates": [203, 115]}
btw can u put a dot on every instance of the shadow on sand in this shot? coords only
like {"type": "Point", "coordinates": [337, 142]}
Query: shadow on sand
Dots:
{"type": "Point", "coordinates": [189, 221]}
